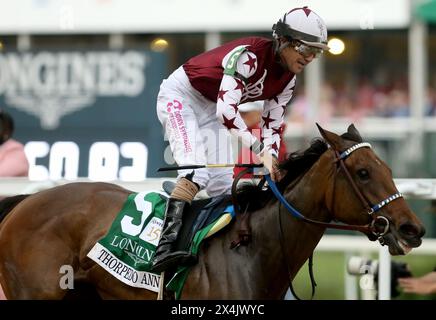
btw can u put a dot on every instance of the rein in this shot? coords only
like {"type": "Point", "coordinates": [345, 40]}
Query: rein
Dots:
{"type": "Point", "coordinates": [294, 212]}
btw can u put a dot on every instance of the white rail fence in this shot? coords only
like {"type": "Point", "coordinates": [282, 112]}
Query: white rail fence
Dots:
{"type": "Point", "coordinates": [424, 189]}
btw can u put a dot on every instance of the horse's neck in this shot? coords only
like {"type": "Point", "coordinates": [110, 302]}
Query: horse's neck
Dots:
{"type": "Point", "coordinates": [294, 240]}
{"type": "Point", "coordinates": [309, 197]}
{"type": "Point", "coordinates": [280, 246]}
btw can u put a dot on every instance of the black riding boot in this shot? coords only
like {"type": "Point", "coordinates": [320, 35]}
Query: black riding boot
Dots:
{"type": "Point", "coordinates": [165, 257]}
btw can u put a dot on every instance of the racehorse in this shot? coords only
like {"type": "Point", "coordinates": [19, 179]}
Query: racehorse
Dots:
{"type": "Point", "coordinates": [337, 179]}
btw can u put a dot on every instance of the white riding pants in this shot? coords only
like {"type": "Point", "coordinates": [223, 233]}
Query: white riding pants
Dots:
{"type": "Point", "coordinates": [194, 133]}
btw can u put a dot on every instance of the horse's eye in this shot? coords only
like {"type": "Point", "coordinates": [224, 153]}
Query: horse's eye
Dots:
{"type": "Point", "coordinates": [363, 174]}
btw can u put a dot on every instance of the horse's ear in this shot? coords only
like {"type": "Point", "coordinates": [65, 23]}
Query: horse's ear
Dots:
{"type": "Point", "coordinates": [353, 132]}
{"type": "Point", "coordinates": [332, 138]}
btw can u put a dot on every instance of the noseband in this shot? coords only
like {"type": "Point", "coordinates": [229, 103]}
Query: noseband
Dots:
{"type": "Point", "coordinates": [379, 224]}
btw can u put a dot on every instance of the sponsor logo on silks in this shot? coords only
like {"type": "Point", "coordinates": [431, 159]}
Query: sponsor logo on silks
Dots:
{"type": "Point", "coordinates": [230, 66]}
{"type": "Point", "coordinates": [254, 90]}
{"type": "Point", "coordinates": [50, 85]}
{"type": "Point", "coordinates": [177, 123]}
{"type": "Point", "coordinates": [127, 249]}
{"type": "Point", "coordinates": [175, 104]}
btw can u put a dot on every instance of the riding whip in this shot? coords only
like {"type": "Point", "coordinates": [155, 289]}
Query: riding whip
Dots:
{"type": "Point", "coordinates": [225, 165]}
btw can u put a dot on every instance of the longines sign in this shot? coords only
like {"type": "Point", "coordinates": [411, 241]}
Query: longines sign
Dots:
{"type": "Point", "coordinates": [75, 99]}
{"type": "Point", "coordinates": [50, 85]}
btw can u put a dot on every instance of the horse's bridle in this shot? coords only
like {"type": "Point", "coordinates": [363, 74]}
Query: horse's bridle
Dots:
{"type": "Point", "coordinates": [379, 230]}
{"type": "Point", "coordinates": [379, 224]}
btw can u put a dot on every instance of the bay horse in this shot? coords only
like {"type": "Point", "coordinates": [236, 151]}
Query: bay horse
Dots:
{"type": "Point", "coordinates": [335, 179]}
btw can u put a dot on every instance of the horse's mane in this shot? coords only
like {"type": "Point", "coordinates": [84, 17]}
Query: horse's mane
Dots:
{"type": "Point", "coordinates": [295, 165]}
{"type": "Point", "coordinates": [7, 204]}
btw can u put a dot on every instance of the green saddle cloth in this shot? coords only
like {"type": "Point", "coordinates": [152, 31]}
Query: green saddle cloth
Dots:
{"type": "Point", "coordinates": [127, 249]}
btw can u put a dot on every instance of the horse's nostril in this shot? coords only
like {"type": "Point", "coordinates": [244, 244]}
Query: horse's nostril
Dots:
{"type": "Point", "coordinates": [409, 230]}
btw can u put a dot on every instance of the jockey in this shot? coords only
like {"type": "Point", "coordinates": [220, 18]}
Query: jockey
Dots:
{"type": "Point", "coordinates": [198, 108]}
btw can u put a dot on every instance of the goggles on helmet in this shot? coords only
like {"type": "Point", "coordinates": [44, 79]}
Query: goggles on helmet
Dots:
{"type": "Point", "coordinates": [307, 51]}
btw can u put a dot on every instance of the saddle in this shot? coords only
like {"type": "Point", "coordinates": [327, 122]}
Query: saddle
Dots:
{"type": "Point", "coordinates": [244, 233]}
{"type": "Point", "coordinates": [198, 214]}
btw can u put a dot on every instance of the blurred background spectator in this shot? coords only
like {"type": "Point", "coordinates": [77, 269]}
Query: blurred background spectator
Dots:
{"type": "Point", "coordinates": [13, 161]}
{"type": "Point", "coordinates": [423, 285]}
{"type": "Point", "coordinates": [389, 98]}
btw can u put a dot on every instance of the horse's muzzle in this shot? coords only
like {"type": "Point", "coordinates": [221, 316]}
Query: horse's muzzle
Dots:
{"type": "Point", "coordinates": [402, 240]}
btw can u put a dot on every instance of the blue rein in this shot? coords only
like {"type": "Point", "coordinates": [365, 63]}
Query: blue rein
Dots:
{"type": "Point", "coordinates": [282, 199]}
{"type": "Point", "coordinates": [294, 212]}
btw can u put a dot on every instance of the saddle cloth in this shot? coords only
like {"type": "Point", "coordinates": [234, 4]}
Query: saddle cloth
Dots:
{"type": "Point", "coordinates": [126, 251]}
